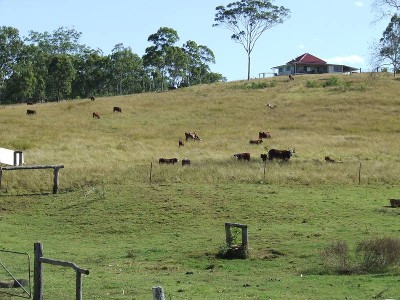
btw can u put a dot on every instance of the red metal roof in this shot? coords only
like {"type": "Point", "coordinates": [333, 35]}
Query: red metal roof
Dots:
{"type": "Point", "coordinates": [307, 58]}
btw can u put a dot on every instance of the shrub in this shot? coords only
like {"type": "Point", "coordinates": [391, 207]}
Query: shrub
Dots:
{"type": "Point", "coordinates": [379, 254]}
{"type": "Point", "coordinates": [312, 84]}
{"type": "Point", "coordinates": [336, 257]}
{"type": "Point", "coordinates": [332, 81]}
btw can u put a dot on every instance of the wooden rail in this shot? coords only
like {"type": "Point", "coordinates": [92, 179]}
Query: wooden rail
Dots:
{"type": "Point", "coordinates": [38, 272]}
{"type": "Point", "coordinates": [36, 167]}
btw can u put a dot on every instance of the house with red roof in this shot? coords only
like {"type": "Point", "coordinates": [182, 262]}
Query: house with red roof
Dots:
{"type": "Point", "coordinates": [310, 64]}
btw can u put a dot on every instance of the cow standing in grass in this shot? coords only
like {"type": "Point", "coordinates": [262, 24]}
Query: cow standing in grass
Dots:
{"type": "Point", "coordinates": [280, 154]}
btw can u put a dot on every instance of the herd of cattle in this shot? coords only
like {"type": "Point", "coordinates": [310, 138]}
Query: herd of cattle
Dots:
{"type": "Point", "coordinates": [272, 153]}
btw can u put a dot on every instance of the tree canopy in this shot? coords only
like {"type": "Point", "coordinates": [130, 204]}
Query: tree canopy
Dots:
{"type": "Point", "coordinates": [248, 20]}
{"type": "Point", "coordinates": [55, 66]}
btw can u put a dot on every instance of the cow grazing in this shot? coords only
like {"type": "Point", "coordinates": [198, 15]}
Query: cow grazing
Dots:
{"type": "Point", "coordinates": [264, 156]}
{"type": "Point", "coordinates": [96, 115]}
{"type": "Point", "coordinates": [180, 143]}
{"type": "Point", "coordinates": [271, 105]}
{"type": "Point", "coordinates": [242, 156]}
{"type": "Point", "coordinates": [329, 160]}
{"type": "Point", "coordinates": [280, 154]}
{"type": "Point", "coordinates": [168, 160]}
{"type": "Point", "coordinates": [256, 142]}
{"type": "Point", "coordinates": [264, 135]}
{"type": "Point", "coordinates": [117, 109]}
{"type": "Point", "coordinates": [192, 136]}
{"type": "Point", "coordinates": [185, 162]}
{"type": "Point", "coordinates": [394, 202]}
{"type": "Point", "coordinates": [30, 112]}
{"type": "Point", "coordinates": [92, 98]}
{"type": "Point", "coordinates": [291, 77]}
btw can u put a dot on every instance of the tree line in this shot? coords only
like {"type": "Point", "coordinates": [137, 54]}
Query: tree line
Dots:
{"type": "Point", "coordinates": [54, 66]}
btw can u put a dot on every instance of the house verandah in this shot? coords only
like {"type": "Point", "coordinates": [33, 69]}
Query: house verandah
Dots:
{"type": "Point", "coordinates": [310, 64]}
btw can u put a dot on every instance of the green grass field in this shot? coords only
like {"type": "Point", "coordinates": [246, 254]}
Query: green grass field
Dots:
{"type": "Point", "coordinates": [134, 234]}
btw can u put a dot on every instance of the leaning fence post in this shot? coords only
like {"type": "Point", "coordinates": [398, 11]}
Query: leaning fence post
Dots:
{"type": "Point", "coordinates": [158, 293]}
{"type": "Point", "coordinates": [38, 272]}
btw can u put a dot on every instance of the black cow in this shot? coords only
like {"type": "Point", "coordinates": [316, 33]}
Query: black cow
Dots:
{"type": "Point", "coordinates": [168, 160]}
{"type": "Point", "coordinates": [96, 115]}
{"type": "Point", "coordinates": [242, 156]}
{"type": "Point", "coordinates": [264, 156]}
{"type": "Point", "coordinates": [92, 98]}
{"type": "Point", "coordinates": [180, 143]}
{"type": "Point", "coordinates": [291, 77]}
{"type": "Point", "coordinates": [280, 154]}
{"type": "Point", "coordinates": [117, 109]}
{"type": "Point", "coordinates": [30, 112]}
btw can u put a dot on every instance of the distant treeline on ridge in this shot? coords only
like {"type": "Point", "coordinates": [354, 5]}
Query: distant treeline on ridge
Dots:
{"type": "Point", "coordinates": [55, 66]}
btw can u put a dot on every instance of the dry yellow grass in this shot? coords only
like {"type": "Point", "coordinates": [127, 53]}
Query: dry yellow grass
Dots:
{"type": "Point", "coordinates": [356, 120]}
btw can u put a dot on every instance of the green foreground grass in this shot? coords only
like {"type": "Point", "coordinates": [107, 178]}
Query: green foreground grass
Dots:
{"type": "Point", "coordinates": [133, 234]}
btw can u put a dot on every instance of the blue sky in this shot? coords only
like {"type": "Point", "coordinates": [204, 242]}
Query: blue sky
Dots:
{"type": "Point", "coordinates": [338, 31]}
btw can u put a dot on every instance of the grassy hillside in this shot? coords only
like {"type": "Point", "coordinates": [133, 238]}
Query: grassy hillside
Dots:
{"type": "Point", "coordinates": [134, 234]}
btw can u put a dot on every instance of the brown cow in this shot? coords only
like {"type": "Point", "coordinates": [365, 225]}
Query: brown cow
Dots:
{"type": "Point", "coordinates": [168, 160]}
{"type": "Point", "coordinates": [256, 142]}
{"type": "Point", "coordinates": [264, 135]}
{"type": "Point", "coordinates": [92, 98]}
{"type": "Point", "coordinates": [180, 143]}
{"type": "Point", "coordinates": [242, 156]}
{"type": "Point", "coordinates": [192, 136]}
{"type": "Point", "coordinates": [96, 115]}
{"type": "Point", "coordinates": [30, 112]}
{"type": "Point", "coordinates": [330, 160]}
{"type": "Point", "coordinates": [117, 109]}
{"type": "Point", "coordinates": [291, 77]}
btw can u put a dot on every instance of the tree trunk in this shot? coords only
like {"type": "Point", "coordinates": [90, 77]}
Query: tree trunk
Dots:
{"type": "Point", "coordinates": [248, 66]}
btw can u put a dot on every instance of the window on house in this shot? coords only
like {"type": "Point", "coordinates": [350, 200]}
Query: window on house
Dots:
{"type": "Point", "coordinates": [337, 68]}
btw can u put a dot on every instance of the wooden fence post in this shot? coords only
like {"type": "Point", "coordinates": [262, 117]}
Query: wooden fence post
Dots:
{"type": "Point", "coordinates": [55, 180]}
{"type": "Point", "coordinates": [158, 293]}
{"type": "Point", "coordinates": [38, 272]}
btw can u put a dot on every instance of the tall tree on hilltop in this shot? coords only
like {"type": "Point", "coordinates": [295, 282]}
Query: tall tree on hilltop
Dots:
{"type": "Point", "coordinates": [155, 58]}
{"type": "Point", "coordinates": [388, 50]}
{"type": "Point", "coordinates": [384, 8]}
{"type": "Point", "coordinates": [199, 57]}
{"type": "Point", "coordinates": [248, 20]}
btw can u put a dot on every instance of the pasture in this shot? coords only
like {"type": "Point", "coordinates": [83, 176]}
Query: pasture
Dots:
{"type": "Point", "coordinates": [133, 233]}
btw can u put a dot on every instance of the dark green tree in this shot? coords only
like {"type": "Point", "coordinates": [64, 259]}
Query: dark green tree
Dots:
{"type": "Point", "coordinates": [155, 58]}
{"type": "Point", "coordinates": [61, 73]}
{"type": "Point", "coordinates": [248, 20]}
{"type": "Point", "coordinates": [10, 47]}
{"type": "Point", "coordinates": [199, 58]}
{"type": "Point", "coordinates": [126, 70]}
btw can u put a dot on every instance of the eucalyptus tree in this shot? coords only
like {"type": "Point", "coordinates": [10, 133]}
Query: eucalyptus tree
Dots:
{"type": "Point", "coordinates": [248, 20]}
{"type": "Point", "coordinates": [63, 40]}
{"type": "Point", "coordinates": [155, 57]}
{"type": "Point", "coordinates": [388, 49]}
{"type": "Point", "coordinates": [92, 74]}
{"type": "Point", "coordinates": [384, 8]}
{"type": "Point", "coordinates": [61, 74]}
{"type": "Point", "coordinates": [199, 58]}
{"type": "Point", "coordinates": [125, 70]}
